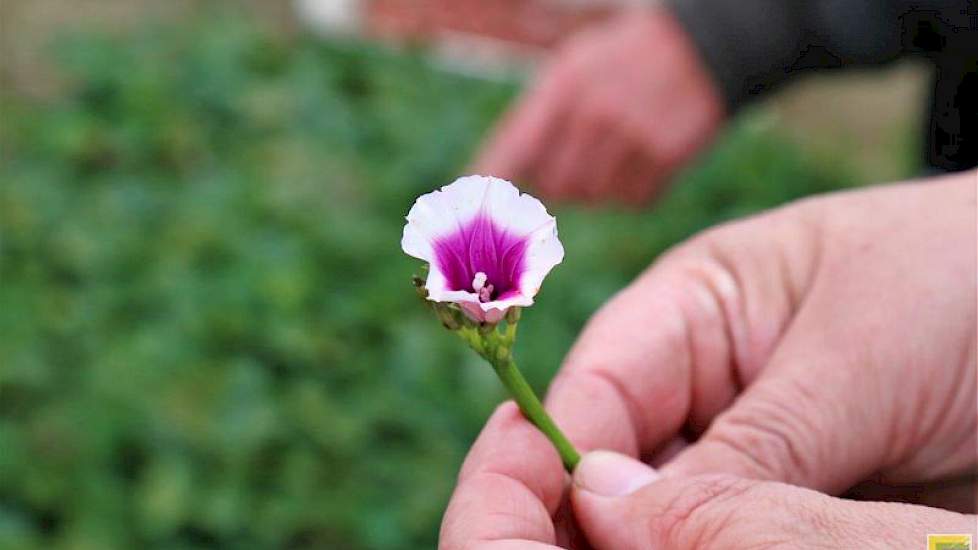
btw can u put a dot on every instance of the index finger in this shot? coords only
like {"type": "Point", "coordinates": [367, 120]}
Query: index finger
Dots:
{"type": "Point", "coordinates": [509, 488]}
{"type": "Point", "coordinates": [653, 357]}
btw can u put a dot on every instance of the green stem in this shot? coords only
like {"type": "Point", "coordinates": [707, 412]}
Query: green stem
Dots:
{"type": "Point", "coordinates": [533, 410]}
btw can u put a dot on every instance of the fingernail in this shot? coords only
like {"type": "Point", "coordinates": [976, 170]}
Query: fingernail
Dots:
{"type": "Point", "coordinates": [611, 474]}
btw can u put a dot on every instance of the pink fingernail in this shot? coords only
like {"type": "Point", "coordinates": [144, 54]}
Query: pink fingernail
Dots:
{"type": "Point", "coordinates": [611, 474]}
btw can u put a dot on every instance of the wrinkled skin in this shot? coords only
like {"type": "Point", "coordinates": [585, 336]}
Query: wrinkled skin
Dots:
{"type": "Point", "coordinates": [619, 109]}
{"type": "Point", "coordinates": [803, 351]}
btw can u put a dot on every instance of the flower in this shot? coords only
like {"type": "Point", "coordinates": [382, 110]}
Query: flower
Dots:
{"type": "Point", "coordinates": [488, 246]}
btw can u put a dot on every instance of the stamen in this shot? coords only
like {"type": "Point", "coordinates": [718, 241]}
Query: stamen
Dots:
{"type": "Point", "coordinates": [485, 295]}
{"type": "Point", "coordinates": [479, 281]}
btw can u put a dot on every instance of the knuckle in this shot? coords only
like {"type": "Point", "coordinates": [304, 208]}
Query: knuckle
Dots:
{"type": "Point", "coordinates": [719, 235]}
{"type": "Point", "coordinates": [702, 508]}
{"type": "Point", "coordinates": [769, 434]}
{"type": "Point", "coordinates": [817, 516]}
{"type": "Point", "coordinates": [735, 232]}
{"type": "Point", "coordinates": [699, 249]}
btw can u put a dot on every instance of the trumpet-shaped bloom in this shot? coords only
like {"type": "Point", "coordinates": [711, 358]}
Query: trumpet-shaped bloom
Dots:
{"type": "Point", "coordinates": [488, 246]}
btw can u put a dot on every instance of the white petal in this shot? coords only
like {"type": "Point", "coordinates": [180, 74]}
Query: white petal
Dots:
{"type": "Point", "coordinates": [446, 210]}
{"type": "Point", "coordinates": [438, 289]}
{"type": "Point", "coordinates": [520, 299]}
{"type": "Point", "coordinates": [543, 253]}
{"type": "Point", "coordinates": [519, 214]}
{"type": "Point", "coordinates": [416, 244]}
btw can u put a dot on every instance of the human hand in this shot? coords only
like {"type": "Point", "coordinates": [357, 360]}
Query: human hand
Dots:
{"type": "Point", "coordinates": [623, 504]}
{"type": "Point", "coordinates": [621, 107]}
{"type": "Point", "coordinates": [819, 344]}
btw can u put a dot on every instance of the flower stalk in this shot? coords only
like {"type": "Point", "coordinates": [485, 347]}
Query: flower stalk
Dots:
{"type": "Point", "coordinates": [494, 343]}
{"type": "Point", "coordinates": [496, 347]}
{"type": "Point", "coordinates": [533, 410]}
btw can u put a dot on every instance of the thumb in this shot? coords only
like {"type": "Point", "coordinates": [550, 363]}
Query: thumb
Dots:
{"type": "Point", "coordinates": [620, 503]}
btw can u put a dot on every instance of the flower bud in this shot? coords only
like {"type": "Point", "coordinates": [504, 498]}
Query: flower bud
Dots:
{"type": "Point", "coordinates": [513, 315]}
{"type": "Point", "coordinates": [450, 318]}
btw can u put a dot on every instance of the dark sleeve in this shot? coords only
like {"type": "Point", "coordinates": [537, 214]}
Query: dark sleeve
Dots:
{"type": "Point", "coordinates": [951, 43]}
{"type": "Point", "coordinates": [752, 46]}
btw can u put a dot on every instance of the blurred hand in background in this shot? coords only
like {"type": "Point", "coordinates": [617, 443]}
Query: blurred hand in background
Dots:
{"type": "Point", "coordinates": [620, 108]}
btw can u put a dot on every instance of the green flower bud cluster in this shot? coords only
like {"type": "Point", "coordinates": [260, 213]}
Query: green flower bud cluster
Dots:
{"type": "Point", "coordinates": [494, 343]}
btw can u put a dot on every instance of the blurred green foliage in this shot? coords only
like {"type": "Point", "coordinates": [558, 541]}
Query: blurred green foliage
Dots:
{"type": "Point", "coordinates": [208, 337]}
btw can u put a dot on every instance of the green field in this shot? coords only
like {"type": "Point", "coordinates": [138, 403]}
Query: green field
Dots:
{"type": "Point", "coordinates": [208, 336]}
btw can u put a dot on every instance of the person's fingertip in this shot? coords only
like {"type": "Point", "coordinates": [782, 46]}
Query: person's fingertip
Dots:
{"type": "Point", "coordinates": [610, 474]}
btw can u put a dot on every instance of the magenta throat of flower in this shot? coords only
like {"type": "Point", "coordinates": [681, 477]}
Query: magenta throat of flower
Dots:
{"type": "Point", "coordinates": [482, 258]}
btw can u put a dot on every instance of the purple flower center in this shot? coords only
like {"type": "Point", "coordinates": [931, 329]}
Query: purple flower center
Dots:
{"type": "Point", "coordinates": [482, 247]}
